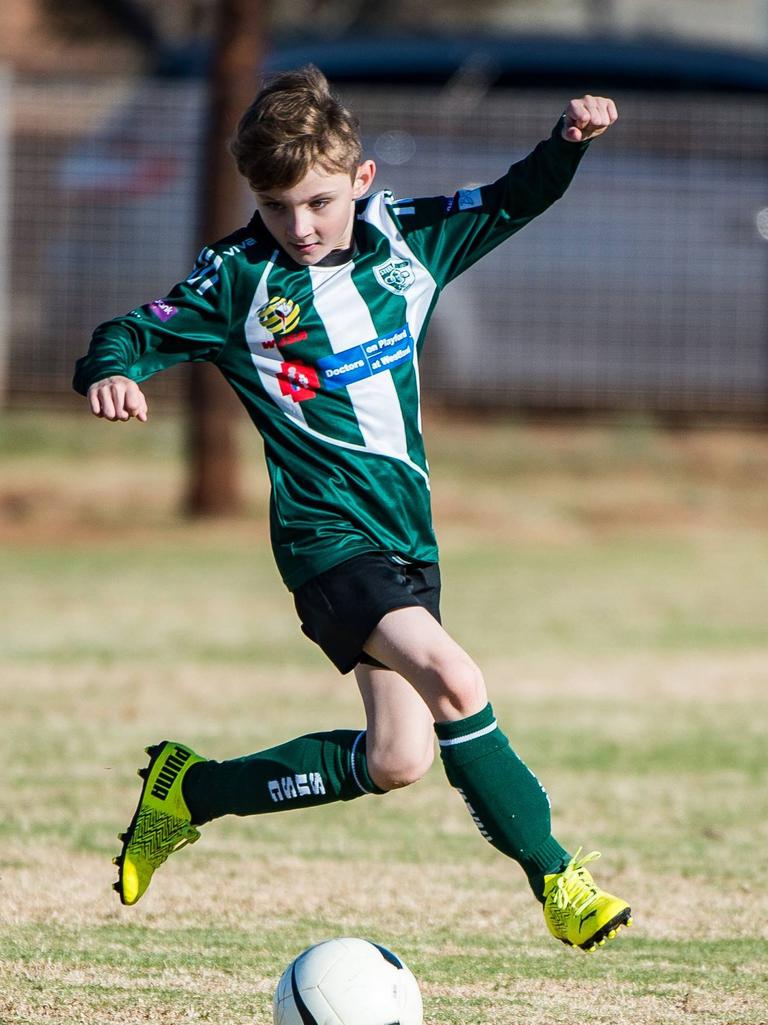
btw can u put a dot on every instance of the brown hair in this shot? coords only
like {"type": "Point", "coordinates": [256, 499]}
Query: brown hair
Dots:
{"type": "Point", "coordinates": [295, 122]}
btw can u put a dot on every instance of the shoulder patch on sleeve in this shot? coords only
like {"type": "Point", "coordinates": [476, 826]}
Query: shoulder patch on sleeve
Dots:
{"type": "Point", "coordinates": [205, 273]}
{"type": "Point", "coordinates": [404, 206]}
{"type": "Point", "coordinates": [468, 199]}
{"type": "Point", "coordinates": [162, 309]}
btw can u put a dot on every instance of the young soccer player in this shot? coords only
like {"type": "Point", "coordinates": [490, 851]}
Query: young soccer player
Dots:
{"type": "Point", "coordinates": [315, 312]}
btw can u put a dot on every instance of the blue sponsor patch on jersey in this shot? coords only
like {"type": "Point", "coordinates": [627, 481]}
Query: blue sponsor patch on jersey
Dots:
{"type": "Point", "coordinates": [384, 353]}
{"type": "Point", "coordinates": [343, 368]}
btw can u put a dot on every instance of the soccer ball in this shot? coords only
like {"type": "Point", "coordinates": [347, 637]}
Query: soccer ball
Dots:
{"type": "Point", "coordinates": [347, 982]}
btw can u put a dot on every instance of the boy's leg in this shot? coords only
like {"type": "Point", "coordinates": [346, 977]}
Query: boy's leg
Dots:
{"type": "Point", "coordinates": [182, 790]}
{"type": "Point", "coordinates": [505, 799]}
{"type": "Point", "coordinates": [396, 748]}
{"type": "Point", "coordinates": [400, 738]}
{"type": "Point", "coordinates": [321, 768]}
{"type": "Point", "coordinates": [318, 768]}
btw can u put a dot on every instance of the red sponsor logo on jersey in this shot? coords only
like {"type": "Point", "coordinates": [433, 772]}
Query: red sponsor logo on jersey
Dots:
{"type": "Point", "coordinates": [299, 381]}
{"type": "Point", "coordinates": [272, 343]}
{"type": "Point", "coordinates": [299, 336]}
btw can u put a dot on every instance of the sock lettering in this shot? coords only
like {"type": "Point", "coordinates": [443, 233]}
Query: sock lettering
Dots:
{"type": "Point", "coordinates": [302, 784]}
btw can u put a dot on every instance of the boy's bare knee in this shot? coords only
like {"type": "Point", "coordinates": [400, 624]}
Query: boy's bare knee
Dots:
{"type": "Point", "coordinates": [392, 772]}
{"type": "Point", "coordinates": [462, 688]}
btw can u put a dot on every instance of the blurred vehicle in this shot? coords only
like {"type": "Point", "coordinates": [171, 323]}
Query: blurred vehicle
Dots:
{"type": "Point", "coordinates": [647, 280]}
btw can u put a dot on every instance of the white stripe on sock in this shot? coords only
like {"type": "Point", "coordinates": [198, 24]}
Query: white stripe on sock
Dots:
{"type": "Point", "coordinates": [352, 761]}
{"type": "Point", "coordinates": [469, 736]}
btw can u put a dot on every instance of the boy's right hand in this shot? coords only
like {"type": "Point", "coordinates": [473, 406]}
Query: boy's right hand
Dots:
{"type": "Point", "coordinates": [117, 398]}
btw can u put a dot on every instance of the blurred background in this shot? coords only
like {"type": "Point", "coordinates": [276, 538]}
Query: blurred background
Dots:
{"type": "Point", "coordinates": [645, 290]}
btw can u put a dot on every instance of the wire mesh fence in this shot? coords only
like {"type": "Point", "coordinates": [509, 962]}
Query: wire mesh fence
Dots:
{"type": "Point", "coordinates": [644, 288]}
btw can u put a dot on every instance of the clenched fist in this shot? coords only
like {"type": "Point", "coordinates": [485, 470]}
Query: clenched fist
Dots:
{"type": "Point", "coordinates": [117, 398]}
{"type": "Point", "coordinates": [588, 117]}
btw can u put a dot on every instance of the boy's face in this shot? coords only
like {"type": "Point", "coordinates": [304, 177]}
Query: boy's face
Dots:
{"type": "Point", "coordinates": [316, 216]}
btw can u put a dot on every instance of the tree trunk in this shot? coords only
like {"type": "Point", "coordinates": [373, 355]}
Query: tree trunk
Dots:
{"type": "Point", "coordinates": [213, 415]}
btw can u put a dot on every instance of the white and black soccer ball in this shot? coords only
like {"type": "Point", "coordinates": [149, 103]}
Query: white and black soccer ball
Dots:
{"type": "Point", "coordinates": [347, 981]}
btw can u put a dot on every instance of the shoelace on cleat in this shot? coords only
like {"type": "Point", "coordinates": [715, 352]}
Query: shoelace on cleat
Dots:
{"type": "Point", "coordinates": [572, 887]}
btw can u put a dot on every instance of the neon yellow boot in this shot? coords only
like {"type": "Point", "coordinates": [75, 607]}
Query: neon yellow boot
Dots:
{"type": "Point", "coordinates": [578, 912]}
{"type": "Point", "coordinates": [161, 823]}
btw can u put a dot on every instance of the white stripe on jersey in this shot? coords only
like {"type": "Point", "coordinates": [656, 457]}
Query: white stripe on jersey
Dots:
{"type": "Point", "coordinates": [267, 360]}
{"type": "Point", "coordinates": [417, 300]}
{"type": "Point", "coordinates": [348, 323]}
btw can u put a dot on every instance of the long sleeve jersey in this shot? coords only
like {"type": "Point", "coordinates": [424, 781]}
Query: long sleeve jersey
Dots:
{"type": "Point", "coordinates": [326, 358]}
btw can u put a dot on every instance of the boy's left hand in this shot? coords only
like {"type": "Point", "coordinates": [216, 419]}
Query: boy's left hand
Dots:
{"type": "Point", "coordinates": [588, 117]}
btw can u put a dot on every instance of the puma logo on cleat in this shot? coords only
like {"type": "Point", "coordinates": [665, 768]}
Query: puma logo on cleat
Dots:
{"type": "Point", "coordinates": [174, 763]}
{"type": "Point", "coordinates": [585, 918]}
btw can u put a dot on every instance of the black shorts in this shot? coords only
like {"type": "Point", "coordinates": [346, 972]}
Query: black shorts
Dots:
{"type": "Point", "coordinates": [340, 609]}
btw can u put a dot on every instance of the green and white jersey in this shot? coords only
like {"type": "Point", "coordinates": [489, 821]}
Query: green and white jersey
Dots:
{"type": "Point", "coordinates": [326, 358]}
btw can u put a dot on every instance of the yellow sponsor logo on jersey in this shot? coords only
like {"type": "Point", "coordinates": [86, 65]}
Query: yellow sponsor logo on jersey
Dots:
{"type": "Point", "coordinates": [279, 315]}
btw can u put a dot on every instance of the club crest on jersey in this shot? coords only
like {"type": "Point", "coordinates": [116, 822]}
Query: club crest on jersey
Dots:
{"type": "Point", "coordinates": [279, 315]}
{"type": "Point", "coordinates": [395, 275]}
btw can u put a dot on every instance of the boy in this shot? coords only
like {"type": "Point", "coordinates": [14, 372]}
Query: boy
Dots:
{"type": "Point", "coordinates": [315, 313]}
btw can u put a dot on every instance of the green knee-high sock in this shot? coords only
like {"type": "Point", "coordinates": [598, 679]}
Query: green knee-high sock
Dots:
{"type": "Point", "coordinates": [317, 769]}
{"type": "Point", "coordinates": [508, 804]}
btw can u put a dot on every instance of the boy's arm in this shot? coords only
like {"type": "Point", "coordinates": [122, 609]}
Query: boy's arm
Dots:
{"type": "Point", "coordinates": [190, 324]}
{"type": "Point", "coordinates": [449, 234]}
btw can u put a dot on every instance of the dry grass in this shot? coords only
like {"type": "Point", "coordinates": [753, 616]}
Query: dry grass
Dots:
{"type": "Point", "coordinates": [628, 661]}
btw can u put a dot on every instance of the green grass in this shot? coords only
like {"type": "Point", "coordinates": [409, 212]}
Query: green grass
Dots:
{"type": "Point", "coordinates": [214, 599]}
{"type": "Point", "coordinates": [612, 584]}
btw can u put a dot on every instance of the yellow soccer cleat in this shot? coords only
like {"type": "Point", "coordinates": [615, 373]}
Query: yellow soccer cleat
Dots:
{"type": "Point", "coordinates": [578, 912]}
{"type": "Point", "coordinates": [161, 823]}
